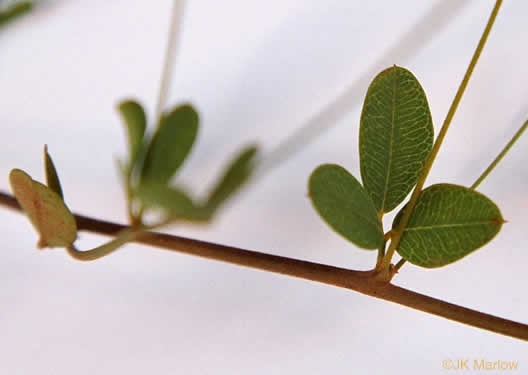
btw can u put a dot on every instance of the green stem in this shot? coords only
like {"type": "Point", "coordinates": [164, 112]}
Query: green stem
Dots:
{"type": "Point", "coordinates": [381, 253]}
{"type": "Point", "coordinates": [172, 40]}
{"type": "Point", "coordinates": [123, 237]}
{"type": "Point", "coordinates": [500, 156]}
{"type": "Point", "coordinates": [384, 269]}
{"type": "Point", "coordinates": [381, 250]}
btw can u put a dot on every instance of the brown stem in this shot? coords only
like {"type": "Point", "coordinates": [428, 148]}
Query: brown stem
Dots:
{"type": "Point", "coordinates": [359, 281]}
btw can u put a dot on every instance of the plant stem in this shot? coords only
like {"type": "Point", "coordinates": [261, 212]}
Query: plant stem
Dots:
{"type": "Point", "coordinates": [170, 52]}
{"type": "Point", "coordinates": [500, 156]}
{"type": "Point", "coordinates": [384, 271]}
{"type": "Point", "coordinates": [128, 234]}
{"type": "Point", "coordinates": [360, 281]}
{"type": "Point", "coordinates": [399, 264]}
{"type": "Point", "coordinates": [123, 237]}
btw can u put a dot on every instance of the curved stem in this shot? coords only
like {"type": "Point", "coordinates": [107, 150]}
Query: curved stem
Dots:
{"type": "Point", "coordinates": [398, 232]}
{"type": "Point", "coordinates": [359, 281]}
{"type": "Point", "coordinates": [123, 237]}
{"type": "Point", "coordinates": [500, 156]}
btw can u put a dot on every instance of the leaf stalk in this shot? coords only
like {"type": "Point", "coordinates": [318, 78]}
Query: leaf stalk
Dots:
{"type": "Point", "coordinates": [384, 269]}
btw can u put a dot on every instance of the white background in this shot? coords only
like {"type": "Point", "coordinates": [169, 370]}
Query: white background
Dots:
{"type": "Point", "coordinates": [256, 71]}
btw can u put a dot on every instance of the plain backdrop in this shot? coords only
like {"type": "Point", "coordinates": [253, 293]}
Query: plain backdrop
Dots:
{"type": "Point", "coordinates": [256, 71]}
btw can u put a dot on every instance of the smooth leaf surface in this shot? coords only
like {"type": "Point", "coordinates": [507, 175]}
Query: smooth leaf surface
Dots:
{"type": "Point", "coordinates": [235, 175]}
{"type": "Point", "coordinates": [52, 178]}
{"type": "Point", "coordinates": [45, 209]}
{"type": "Point", "coordinates": [136, 122]}
{"type": "Point", "coordinates": [174, 201]}
{"type": "Point", "coordinates": [395, 137]}
{"type": "Point", "coordinates": [343, 203]}
{"type": "Point", "coordinates": [170, 145]}
{"type": "Point", "coordinates": [448, 223]}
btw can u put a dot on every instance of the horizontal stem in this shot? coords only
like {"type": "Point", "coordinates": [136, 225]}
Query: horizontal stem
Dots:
{"type": "Point", "coordinates": [359, 281]}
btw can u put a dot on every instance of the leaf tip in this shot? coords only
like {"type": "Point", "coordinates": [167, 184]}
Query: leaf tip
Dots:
{"type": "Point", "coordinates": [16, 177]}
{"type": "Point", "coordinates": [498, 221]}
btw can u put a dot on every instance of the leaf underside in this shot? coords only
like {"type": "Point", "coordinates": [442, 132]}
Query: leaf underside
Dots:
{"type": "Point", "coordinates": [448, 223]}
{"type": "Point", "coordinates": [395, 137]}
{"type": "Point", "coordinates": [343, 203]}
{"type": "Point", "coordinates": [45, 209]}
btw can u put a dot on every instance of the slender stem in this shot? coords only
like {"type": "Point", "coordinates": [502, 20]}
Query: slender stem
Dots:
{"type": "Point", "coordinates": [381, 250]}
{"type": "Point", "coordinates": [381, 253]}
{"type": "Point", "coordinates": [500, 156]}
{"type": "Point", "coordinates": [398, 232]}
{"type": "Point", "coordinates": [359, 281]}
{"type": "Point", "coordinates": [128, 234]}
{"type": "Point", "coordinates": [133, 219]}
{"type": "Point", "coordinates": [170, 52]}
{"type": "Point", "coordinates": [123, 237]}
{"type": "Point", "coordinates": [399, 264]}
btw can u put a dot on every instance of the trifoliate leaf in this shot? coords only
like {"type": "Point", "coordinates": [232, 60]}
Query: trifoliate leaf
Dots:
{"type": "Point", "coordinates": [45, 209]}
{"type": "Point", "coordinates": [343, 203]}
{"type": "Point", "coordinates": [395, 137]}
{"type": "Point", "coordinates": [448, 223]}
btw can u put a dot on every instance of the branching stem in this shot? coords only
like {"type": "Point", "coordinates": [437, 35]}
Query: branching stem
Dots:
{"type": "Point", "coordinates": [385, 269]}
{"type": "Point", "coordinates": [359, 281]}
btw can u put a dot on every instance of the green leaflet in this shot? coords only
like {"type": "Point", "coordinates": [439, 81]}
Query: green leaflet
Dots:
{"type": "Point", "coordinates": [14, 11]}
{"type": "Point", "coordinates": [343, 203]}
{"type": "Point", "coordinates": [170, 145]}
{"type": "Point", "coordinates": [395, 137]}
{"type": "Point", "coordinates": [235, 175]}
{"type": "Point", "coordinates": [52, 178]}
{"type": "Point", "coordinates": [448, 223]}
{"type": "Point", "coordinates": [45, 209]}
{"type": "Point", "coordinates": [174, 201]}
{"type": "Point", "coordinates": [136, 122]}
